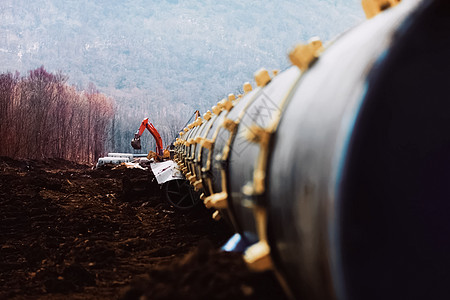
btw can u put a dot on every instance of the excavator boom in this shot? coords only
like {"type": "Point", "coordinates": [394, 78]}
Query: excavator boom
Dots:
{"type": "Point", "coordinates": [136, 141]}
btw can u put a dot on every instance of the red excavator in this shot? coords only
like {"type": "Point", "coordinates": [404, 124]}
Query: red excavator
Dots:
{"type": "Point", "coordinates": [136, 142]}
{"type": "Point", "coordinates": [177, 190]}
{"type": "Point", "coordinates": [160, 153]}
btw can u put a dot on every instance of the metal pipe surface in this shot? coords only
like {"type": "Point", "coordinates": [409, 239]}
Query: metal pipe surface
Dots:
{"type": "Point", "coordinates": [337, 169]}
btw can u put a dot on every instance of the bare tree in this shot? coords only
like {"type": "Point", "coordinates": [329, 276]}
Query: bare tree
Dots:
{"type": "Point", "coordinates": [41, 116]}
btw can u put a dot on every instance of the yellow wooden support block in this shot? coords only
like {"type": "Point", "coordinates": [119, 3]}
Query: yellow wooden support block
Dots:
{"type": "Point", "coordinates": [191, 178]}
{"type": "Point", "coordinates": [198, 140]}
{"type": "Point", "coordinates": [374, 7]}
{"type": "Point", "coordinates": [218, 201]}
{"type": "Point", "coordinates": [221, 103]}
{"type": "Point", "coordinates": [198, 185]}
{"type": "Point", "coordinates": [315, 43]}
{"type": "Point", "coordinates": [231, 97]}
{"type": "Point", "coordinates": [207, 115]}
{"type": "Point", "coordinates": [258, 257]}
{"type": "Point", "coordinates": [207, 143]}
{"type": "Point", "coordinates": [303, 55]}
{"type": "Point", "coordinates": [227, 104]}
{"type": "Point", "coordinates": [216, 110]}
{"type": "Point", "coordinates": [262, 77]}
{"type": "Point", "coordinates": [216, 216]}
{"type": "Point", "coordinates": [229, 125]}
{"type": "Point", "coordinates": [199, 121]}
{"type": "Point", "coordinates": [247, 87]}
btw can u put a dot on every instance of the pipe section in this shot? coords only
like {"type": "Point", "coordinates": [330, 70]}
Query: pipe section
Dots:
{"type": "Point", "coordinates": [336, 170]}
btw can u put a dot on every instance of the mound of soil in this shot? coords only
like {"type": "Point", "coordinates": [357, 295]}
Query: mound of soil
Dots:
{"type": "Point", "coordinates": [67, 231]}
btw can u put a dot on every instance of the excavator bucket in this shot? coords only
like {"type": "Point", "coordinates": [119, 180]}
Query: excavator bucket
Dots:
{"type": "Point", "coordinates": [136, 142]}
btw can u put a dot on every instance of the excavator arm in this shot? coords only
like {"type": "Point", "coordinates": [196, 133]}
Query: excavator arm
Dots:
{"type": "Point", "coordinates": [136, 142]}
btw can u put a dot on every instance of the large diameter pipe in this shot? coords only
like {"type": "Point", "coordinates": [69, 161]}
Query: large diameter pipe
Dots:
{"type": "Point", "coordinates": [338, 175]}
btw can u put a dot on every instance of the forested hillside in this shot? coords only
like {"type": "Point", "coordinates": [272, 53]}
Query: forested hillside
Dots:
{"type": "Point", "coordinates": [162, 59]}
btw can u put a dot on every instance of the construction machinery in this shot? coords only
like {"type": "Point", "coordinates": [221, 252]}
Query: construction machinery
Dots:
{"type": "Point", "coordinates": [176, 190]}
{"type": "Point", "coordinates": [334, 172]}
{"type": "Point", "coordinates": [136, 141]}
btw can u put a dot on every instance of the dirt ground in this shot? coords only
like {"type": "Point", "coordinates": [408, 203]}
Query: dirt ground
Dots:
{"type": "Point", "coordinates": [70, 232]}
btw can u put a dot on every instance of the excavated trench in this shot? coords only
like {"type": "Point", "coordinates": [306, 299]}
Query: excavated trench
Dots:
{"type": "Point", "coordinates": [67, 231]}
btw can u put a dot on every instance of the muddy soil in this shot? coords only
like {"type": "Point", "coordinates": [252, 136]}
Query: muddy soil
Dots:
{"type": "Point", "coordinates": [70, 232]}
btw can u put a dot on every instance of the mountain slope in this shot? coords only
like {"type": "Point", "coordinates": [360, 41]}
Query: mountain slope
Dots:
{"type": "Point", "coordinates": [154, 54]}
